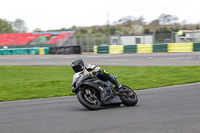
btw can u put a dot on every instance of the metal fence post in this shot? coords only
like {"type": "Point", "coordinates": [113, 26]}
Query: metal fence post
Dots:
{"type": "Point", "coordinates": [143, 39]}
{"type": "Point", "coordinates": [87, 40]}
{"type": "Point", "coordinates": [108, 39]}
{"type": "Point", "coordinates": [102, 40]}
{"type": "Point", "coordinates": [80, 43]}
{"type": "Point", "coordinates": [94, 41]}
{"type": "Point", "coordinates": [135, 39]}
{"type": "Point", "coordinates": [172, 35]}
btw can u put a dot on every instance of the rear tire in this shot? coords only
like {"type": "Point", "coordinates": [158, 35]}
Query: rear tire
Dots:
{"type": "Point", "coordinates": [129, 100]}
{"type": "Point", "coordinates": [88, 102]}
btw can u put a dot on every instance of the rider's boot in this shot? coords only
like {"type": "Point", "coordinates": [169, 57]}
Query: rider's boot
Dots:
{"type": "Point", "coordinates": [115, 82]}
{"type": "Point", "coordinates": [107, 76]}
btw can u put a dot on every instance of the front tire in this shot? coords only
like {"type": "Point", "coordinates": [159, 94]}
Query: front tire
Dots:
{"type": "Point", "coordinates": [129, 100]}
{"type": "Point", "coordinates": [87, 101]}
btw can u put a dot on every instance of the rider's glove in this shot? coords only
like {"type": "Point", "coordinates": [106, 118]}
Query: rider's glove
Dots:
{"type": "Point", "coordinates": [90, 73]}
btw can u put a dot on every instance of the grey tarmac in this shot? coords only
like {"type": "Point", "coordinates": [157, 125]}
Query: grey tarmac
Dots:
{"type": "Point", "coordinates": [174, 109]}
{"type": "Point", "coordinates": [154, 59]}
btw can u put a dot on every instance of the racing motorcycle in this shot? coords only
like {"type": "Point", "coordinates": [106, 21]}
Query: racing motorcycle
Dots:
{"type": "Point", "coordinates": [94, 93]}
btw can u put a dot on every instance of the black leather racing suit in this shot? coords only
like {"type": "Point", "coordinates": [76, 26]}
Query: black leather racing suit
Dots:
{"type": "Point", "coordinates": [102, 74]}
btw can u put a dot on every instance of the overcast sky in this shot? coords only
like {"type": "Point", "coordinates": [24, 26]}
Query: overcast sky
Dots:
{"type": "Point", "coordinates": [57, 14]}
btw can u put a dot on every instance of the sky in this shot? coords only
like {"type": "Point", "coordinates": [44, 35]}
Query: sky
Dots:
{"type": "Point", "coordinates": [57, 14]}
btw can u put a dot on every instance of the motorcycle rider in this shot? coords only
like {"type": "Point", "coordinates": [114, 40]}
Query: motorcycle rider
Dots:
{"type": "Point", "coordinates": [79, 68]}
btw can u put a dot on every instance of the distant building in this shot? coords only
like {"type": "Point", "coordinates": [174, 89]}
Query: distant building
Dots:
{"type": "Point", "coordinates": [131, 39]}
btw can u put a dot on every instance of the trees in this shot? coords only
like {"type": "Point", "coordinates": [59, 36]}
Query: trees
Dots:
{"type": "Point", "coordinates": [9, 27]}
{"type": "Point", "coordinates": [154, 25]}
{"type": "Point", "coordinates": [19, 25]}
{"type": "Point", "coordinates": [37, 30]}
{"type": "Point", "coordinates": [167, 19]}
{"type": "Point", "coordinates": [132, 25]}
{"type": "Point", "coordinates": [163, 23]}
{"type": "Point", "coordinates": [126, 21]}
{"type": "Point", "coordinates": [138, 29]}
{"type": "Point", "coordinates": [5, 26]}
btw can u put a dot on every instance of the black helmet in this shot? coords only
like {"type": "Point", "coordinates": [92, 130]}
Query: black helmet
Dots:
{"type": "Point", "coordinates": [78, 65]}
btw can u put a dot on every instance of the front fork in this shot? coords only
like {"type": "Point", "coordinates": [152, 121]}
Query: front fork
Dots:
{"type": "Point", "coordinates": [89, 93]}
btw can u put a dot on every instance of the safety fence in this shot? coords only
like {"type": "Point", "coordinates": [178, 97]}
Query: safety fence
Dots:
{"type": "Point", "coordinates": [65, 50]}
{"type": "Point", "coordinates": [147, 48]}
{"type": "Point", "coordinates": [28, 46]}
{"type": "Point", "coordinates": [25, 51]}
{"type": "Point", "coordinates": [41, 50]}
{"type": "Point", "coordinates": [106, 49]}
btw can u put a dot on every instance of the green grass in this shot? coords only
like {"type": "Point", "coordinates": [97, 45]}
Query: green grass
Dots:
{"type": "Point", "coordinates": [29, 82]}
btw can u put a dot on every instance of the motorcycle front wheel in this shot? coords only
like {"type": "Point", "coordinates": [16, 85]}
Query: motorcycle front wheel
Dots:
{"type": "Point", "coordinates": [129, 98]}
{"type": "Point", "coordinates": [88, 101]}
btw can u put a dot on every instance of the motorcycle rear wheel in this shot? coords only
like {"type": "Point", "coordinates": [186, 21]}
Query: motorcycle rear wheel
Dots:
{"type": "Point", "coordinates": [87, 101]}
{"type": "Point", "coordinates": [129, 100]}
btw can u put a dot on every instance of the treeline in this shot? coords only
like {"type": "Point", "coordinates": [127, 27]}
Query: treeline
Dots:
{"type": "Point", "coordinates": [128, 25]}
{"type": "Point", "coordinates": [18, 26]}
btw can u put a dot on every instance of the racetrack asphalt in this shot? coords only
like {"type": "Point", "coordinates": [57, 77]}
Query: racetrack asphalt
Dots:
{"type": "Point", "coordinates": [174, 109]}
{"type": "Point", "coordinates": [154, 59]}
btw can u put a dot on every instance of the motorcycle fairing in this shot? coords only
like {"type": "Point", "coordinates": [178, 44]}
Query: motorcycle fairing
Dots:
{"type": "Point", "coordinates": [104, 88]}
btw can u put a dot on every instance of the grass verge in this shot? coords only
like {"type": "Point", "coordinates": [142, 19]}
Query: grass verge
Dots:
{"type": "Point", "coordinates": [30, 82]}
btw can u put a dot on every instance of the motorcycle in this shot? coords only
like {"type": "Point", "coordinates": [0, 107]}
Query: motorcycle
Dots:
{"type": "Point", "coordinates": [94, 93]}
